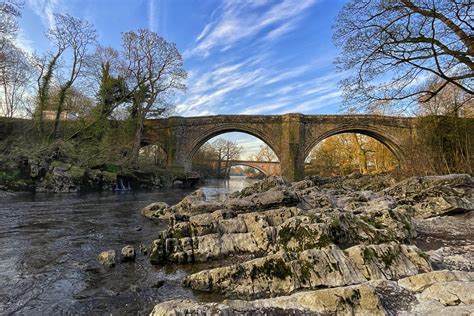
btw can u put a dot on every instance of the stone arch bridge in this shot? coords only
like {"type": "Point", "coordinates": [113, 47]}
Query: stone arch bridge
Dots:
{"type": "Point", "coordinates": [268, 168]}
{"type": "Point", "coordinates": [290, 136]}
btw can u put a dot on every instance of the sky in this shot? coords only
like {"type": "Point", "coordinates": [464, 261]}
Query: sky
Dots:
{"type": "Point", "coordinates": [242, 56]}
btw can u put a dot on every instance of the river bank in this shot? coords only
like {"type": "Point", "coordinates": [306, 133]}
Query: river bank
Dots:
{"type": "Point", "coordinates": [43, 175]}
{"type": "Point", "coordinates": [325, 245]}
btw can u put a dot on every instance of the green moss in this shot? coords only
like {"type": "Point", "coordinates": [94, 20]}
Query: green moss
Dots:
{"type": "Point", "coordinates": [368, 254]}
{"type": "Point", "coordinates": [60, 165]}
{"type": "Point", "coordinates": [77, 172]}
{"type": "Point", "coordinates": [10, 175]}
{"type": "Point", "coordinates": [109, 177]}
{"type": "Point", "coordinates": [306, 268]}
{"type": "Point", "coordinates": [176, 233]}
{"type": "Point", "coordinates": [275, 268]}
{"type": "Point", "coordinates": [352, 300]}
{"type": "Point", "coordinates": [108, 167]}
{"type": "Point", "coordinates": [389, 257]}
{"type": "Point", "coordinates": [305, 237]}
{"type": "Point", "coordinates": [324, 241]}
{"type": "Point", "coordinates": [372, 222]}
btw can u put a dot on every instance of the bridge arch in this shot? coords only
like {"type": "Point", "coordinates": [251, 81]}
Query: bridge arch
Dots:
{"type": "Point", "coordinates": [251, 166]}
{"type": "Point", "coordinates": [229, 128]}
{"type": "Point", "coordinates": [370, 131]}
{"type": "Point", "coordinates": [156, 149]}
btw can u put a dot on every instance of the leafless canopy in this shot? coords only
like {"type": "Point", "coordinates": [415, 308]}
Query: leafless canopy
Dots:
{"type": "Point", "coordinates": [393, 46]}
{"type": "Point", "coordinates": [10, 10]}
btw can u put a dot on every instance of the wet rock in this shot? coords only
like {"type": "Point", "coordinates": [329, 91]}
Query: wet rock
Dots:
{"type": "Point", "coordinates": [127, 253]}
{"type": "Point", "coordinates": [138, 228]}
{"type": "Point", "coordinates": [135, 288]}
{"type": "Point", "coordinates": [107, 258]}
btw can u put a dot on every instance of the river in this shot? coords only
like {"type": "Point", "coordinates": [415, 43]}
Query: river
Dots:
{"type": "Point", "coordinates": [49, 244]}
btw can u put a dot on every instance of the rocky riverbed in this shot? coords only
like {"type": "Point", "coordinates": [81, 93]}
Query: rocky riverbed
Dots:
{"type": "Point", "coordinates": [357, 244]}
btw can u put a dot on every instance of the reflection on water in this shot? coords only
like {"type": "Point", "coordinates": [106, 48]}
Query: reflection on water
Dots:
{"type": "Point", "coordinates": [49, 244]}
{"type": "Point", "coordinates": [218, 190]}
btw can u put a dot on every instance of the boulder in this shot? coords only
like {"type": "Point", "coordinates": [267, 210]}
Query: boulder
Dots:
{"type": "Point", "coordinates": [262, 186]}
{"type": "Point", "coordinates": [156, 210]}
{"type": "Point", "coordinates": [127, 253]}
{"type": "Point", "coordinates": [275, 197]}
{"type": "Point", "coordinates": [107, 258]}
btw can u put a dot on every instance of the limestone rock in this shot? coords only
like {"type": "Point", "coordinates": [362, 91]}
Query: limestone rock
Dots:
{"type": "Point", "coordinates": [362, 299]}
{"type": "Point", "coordinates": [284, 273]}
{"type": "Point", "coordinates": [155, 210]}
{"type": "Point", "coordinates": [453, 258]}
{"type": "Point", "coordinates": [195, 203]}
{"type": "Point", "coordinates": [435, 195]}
{"type": "Point", "coordinates": [127, 253]}
{"type": "Point", "coordinates": [420, 282]}
{"type": "Point", "coordinates": [274, 197]}
{"type": "Point", "coordinates": [452, 295]}
{"type": "Point", "coordinates": [262, 186]}
{"type": "Point", "coordinates": [62, 178]}
{"type": "Point", "coordinates": [107, 258]}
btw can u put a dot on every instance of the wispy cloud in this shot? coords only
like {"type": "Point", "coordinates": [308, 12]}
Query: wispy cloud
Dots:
{"type": "Point", "coordinates": [239, 20]}
{"type": "Point", "coordinates": [45, 9]}
{"type": "Point", "coordinates": [23, 42]}
{"type": "Point", "coordinates": [152, 15]}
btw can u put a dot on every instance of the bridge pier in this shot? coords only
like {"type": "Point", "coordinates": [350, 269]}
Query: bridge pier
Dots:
{"type": "Point", "coordinates": [291, 147]}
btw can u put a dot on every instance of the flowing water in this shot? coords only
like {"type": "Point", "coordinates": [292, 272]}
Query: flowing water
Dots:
{"type": "Point", "coordinates": [49, 244]}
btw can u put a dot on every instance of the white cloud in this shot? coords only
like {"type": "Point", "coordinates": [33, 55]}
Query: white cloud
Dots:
{"type": "Point", "coordinates": [152, 15]}
{"type": "Point", "coordinates": [45, 9]}
{"type": "Point", "coordinates": [239, 20]}
{"type": "Point", "coordinates": [23, 42]}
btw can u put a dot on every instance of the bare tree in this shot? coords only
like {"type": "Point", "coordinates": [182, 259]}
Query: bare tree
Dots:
{"type": "Point", "coordinates": [265, 154]}
{"type": "Point", "coordinates": [77, 35]}
{"type": "Point", "coordinates": [15, 72]}
{"type": "Point", "coordinates": [226, 151]}
{"type": "Point", "coordinates": [10, 10]}
{"type": "Point", "coordinates": [154, 71]}
{"type": "Point", "coordinates": [392, 47]}
{"type": "Point", "coordinates": [451, 101]}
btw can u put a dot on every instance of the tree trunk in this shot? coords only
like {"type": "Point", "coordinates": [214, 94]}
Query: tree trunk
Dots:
{"type": "Point", "coordinates": [133, 159]}
{"type": "Point", "coordinates": [361, 154]}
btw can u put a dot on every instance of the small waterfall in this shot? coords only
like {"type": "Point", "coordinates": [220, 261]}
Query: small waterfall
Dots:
{"type": "Point", "coordinates": [122, 186]}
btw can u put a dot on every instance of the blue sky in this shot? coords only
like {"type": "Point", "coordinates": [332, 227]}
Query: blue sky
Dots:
{"type": "Point", "coordinates": [242, 57]}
